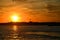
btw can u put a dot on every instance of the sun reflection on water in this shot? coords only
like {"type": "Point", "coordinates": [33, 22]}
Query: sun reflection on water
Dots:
{"type": "Point", "coordinates": [15, 28]}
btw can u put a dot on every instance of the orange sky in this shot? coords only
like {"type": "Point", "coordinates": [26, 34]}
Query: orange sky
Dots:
{"type": "Point", "coordinates": [37, 11]}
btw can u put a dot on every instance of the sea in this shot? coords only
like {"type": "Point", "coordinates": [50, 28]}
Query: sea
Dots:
{"type": "Point", "coordinates": [29, 32]}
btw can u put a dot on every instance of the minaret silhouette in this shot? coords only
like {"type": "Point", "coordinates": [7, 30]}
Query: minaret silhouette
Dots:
{"type": "Point", "coordinates": [30, 21]}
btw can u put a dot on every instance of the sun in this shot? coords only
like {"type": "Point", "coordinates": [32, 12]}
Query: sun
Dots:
{"type": "Point", "coordinates": [15, 18]}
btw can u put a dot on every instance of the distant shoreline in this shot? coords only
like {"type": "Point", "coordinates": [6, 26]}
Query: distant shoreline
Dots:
{"type": "Point", "coordinates": [32, 23]}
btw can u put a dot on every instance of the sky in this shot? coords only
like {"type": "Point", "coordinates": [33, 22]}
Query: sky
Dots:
{"type": "Point", "coordinates": [36, 10]}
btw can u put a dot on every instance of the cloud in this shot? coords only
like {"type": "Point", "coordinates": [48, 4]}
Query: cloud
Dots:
{"type": "Point", "coordinates": [53, 7]}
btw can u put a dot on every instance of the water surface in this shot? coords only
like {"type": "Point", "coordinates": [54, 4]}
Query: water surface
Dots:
{"type": "Point", "coordinates": [30, 32]}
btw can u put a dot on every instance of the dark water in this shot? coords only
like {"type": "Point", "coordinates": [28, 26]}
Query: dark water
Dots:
{"type": "Point", "coordinates": [16, 32]}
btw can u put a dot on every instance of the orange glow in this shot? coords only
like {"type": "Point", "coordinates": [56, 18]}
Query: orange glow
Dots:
{"type": "Point", "coordinates": [15, 18]}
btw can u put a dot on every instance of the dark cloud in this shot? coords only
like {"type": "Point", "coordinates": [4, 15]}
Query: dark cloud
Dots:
{"type": "Point", "coordinates": [53, 7]}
